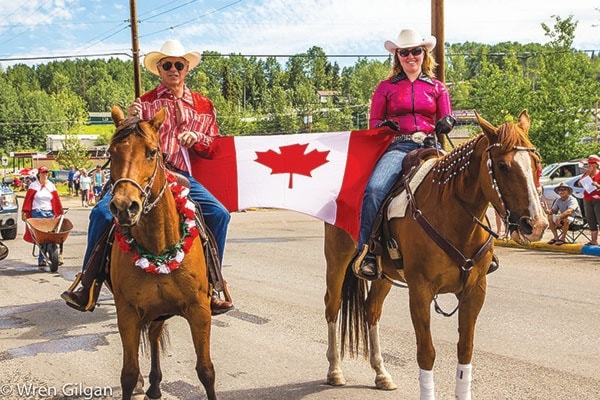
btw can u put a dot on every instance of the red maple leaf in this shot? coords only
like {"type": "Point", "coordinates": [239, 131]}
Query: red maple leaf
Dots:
{"type": "Point", "coordinates": [292, 160]}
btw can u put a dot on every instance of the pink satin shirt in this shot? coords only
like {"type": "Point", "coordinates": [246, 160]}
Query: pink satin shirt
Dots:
{"type": "Point", "coordinates": [413, 106]}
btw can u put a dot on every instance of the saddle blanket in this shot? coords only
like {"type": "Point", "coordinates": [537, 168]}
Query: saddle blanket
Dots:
{"type": "Point", "coordinates": [398, 205]}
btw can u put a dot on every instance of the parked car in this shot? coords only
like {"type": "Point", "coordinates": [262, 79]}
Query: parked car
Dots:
{"type": "Point", "coordinates": [9, 210]}
{"type": "Point", "coordinates": [548, 193]}
{"type": "Point", "coordinates": [555, 173]}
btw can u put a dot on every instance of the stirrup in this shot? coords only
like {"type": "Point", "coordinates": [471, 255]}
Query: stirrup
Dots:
{"type": "Point", "coordinates": [75, 282]}
{"type": "Point", "coordinates": [358, 259]}
{"type": "Point", "coordinates": [494, 264]}
{"type": "Point", "coordinates": [357, 262]}
{"type": "Point", "coordinates": [92, 296]}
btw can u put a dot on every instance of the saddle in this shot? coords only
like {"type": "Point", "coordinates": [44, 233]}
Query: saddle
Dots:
{"type": "Point", "coordinates": [381, 240]}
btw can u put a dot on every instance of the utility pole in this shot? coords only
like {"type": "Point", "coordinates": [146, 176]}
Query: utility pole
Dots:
{"type": "Point", "coordinates": [437, 30]}
{"type": "Point", "coordinates": [135, 49]}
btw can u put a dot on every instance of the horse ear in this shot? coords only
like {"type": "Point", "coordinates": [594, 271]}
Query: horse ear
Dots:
{"type": "Point", "coordinates": [158, 119]}
{"type": "Point", "coordinates": [117, 115]}
{"type": "Point", "coordinates": [487, 128]}
{"type": "Point", "coordinates": [524, 121]}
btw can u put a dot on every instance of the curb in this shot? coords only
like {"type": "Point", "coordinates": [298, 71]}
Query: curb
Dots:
{"type": "Point", "coordinates": [571, 248]}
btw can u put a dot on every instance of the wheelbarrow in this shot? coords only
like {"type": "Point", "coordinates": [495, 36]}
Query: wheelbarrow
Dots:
{"type": "Point", "coordinates": [49, 235]}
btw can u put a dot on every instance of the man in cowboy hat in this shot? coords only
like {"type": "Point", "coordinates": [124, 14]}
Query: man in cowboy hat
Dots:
{"type": "Point", "coordinates": [191, 124]}
{"type": "Point", "coordinates": [562, 213]}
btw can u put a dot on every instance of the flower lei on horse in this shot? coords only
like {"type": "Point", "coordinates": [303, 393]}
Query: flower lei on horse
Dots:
{"type": "Point", "coordinates": [172, 257]}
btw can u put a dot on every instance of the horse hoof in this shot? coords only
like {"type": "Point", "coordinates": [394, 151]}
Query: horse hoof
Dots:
{"type": "Point", "coordinates": [336, 379]}
{"type": "Point", "coordinates": [385, 383]}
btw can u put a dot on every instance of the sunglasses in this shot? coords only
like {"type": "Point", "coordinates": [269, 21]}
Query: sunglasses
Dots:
{"type": "Point", "coordinates": [415, 52]}
{"type": "Point", "coordinates": [179, 66]}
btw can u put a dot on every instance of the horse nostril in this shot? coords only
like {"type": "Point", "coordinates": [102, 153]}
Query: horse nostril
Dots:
{"type": "Point", "coordinates": [525, 225]}
{"type": "Point", "coordinates": [113, 209]}
{"type": "Point", "coordinates": [134, 208]}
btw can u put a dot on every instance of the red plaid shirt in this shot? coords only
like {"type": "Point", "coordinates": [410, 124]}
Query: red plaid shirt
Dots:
{"type": "Point", "coordinates": [192, 112]}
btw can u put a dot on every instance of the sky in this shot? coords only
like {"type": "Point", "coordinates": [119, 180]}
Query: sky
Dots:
{"type": "Point", "coordinates": [32, 29]}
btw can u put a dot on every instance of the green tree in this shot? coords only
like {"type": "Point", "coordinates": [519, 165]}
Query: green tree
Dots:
{"type": "Point", "coordinates": [73, 152]}
{"type": "Point", "coordinates": [500, 92]}
{"type": "Point", "coordinates": [564, 98]}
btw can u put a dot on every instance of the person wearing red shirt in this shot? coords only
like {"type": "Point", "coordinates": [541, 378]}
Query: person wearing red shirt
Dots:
{"type": "Point", "coordinates": [591, 197]}
{"type": "Point", "coordinates": [190, 125]}
{"type": "Point", "coordinates": [41, 201]}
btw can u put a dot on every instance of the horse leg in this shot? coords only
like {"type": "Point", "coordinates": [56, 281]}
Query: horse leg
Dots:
{"type": "Point", "coordinates": [155, 377]}
{"type": "Point", "coordinates": [379, 290]}
{"type": "Point", "coordinates": [469, 309]}
{"type": "Point", "coordinates": [420, 305]}
{"type": "Point", "coordinates": [339, 249]}
{"type": "Point", "coordinates": [335, 376]}
{"type": "Point", "coordinates": [130, 331]}
{"type": "Point", "coordinates": [199, 320]}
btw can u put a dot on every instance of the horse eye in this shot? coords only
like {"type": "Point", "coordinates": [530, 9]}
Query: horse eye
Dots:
{"type": "Point", "coordinates": [152, 153]}
{"type": "Point", "coordinates": [503, 166]}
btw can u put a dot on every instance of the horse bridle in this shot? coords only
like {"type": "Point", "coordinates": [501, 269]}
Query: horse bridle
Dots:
{"type": "Point", "coordinates": [146, 191]}
{"type": "Point", "coordinates": [504, 212]}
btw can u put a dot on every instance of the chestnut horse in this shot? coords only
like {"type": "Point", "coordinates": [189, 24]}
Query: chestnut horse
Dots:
{"type": "Point", "coordinates": [157, 267]}
{"type": "Point", "coordinates": [445, 249]}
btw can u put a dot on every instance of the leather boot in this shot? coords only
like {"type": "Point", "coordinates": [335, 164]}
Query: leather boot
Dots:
{"type": "Point", "coordinates": [84, 298]}
{"type": "Point", "coordinates": [219, 306]}
{"type": "Point", "coordinates": [368, 267]}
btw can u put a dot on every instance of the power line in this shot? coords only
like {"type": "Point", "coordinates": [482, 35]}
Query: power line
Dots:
{"type": "Point", "coordinates": [64, 56]}
{"type": "Point", "coordinates": [193, 19]}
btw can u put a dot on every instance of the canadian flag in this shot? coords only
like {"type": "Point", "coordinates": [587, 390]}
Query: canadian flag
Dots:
{"type": "Point", "coordinates": [320, 174]}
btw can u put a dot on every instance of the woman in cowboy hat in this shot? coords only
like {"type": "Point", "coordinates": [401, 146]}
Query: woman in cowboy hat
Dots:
{"type": "Point", "coordinates": [591, 197]}
{"type": "Point", "coordinates": [411, 102]}
{"type": "Point", "coordinates": [562, 213]}
{"type": "Point", "coordinates": [191, 124]}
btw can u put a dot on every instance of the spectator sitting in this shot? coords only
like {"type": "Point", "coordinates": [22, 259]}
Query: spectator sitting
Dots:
{"type": "Point", "coordinates": [562, 213]}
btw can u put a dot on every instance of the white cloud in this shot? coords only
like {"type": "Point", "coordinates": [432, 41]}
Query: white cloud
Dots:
{"type": "Point", "coordinates": [277, 26]}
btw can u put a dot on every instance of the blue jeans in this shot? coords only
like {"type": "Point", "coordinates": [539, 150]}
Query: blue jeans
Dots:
{"type": "Point", "coordinates": [215, 214]}
{"type": "Point", "coordinates": [42, 214]}
{"type": "Point", "coordinates": [384, 175]}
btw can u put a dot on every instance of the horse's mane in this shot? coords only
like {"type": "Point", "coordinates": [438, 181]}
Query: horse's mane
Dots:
{"type": "Point", "coordinates": [453, 163]}
{"type": "Point", "coordinates": [127, 127]}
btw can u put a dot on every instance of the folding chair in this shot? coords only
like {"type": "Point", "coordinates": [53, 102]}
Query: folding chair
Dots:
{"type": "Point", "coordinates": [578, 227]}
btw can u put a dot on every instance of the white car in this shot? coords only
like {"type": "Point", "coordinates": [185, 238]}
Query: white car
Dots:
{"type": "Point", "coordinates": [548, 193]}
{"type": "Point", "coordinates": [555, 173]}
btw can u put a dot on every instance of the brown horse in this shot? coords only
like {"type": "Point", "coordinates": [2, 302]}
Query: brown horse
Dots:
{"type": "Point", "coordinates": [445, 249]}
{"type": "Point", "coordinates": [157, 267]}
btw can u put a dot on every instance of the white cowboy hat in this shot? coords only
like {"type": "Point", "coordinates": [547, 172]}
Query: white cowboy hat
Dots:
{"type": "Point", "coordinates": [408, 39]}
{"type": "Point", "coordinates": [171, 48]}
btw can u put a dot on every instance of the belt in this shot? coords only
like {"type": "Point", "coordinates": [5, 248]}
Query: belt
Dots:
{"type": "Point", "coordinates": [417, 137]}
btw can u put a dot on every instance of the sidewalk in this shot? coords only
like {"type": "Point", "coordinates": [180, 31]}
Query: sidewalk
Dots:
{"type": "Point", "coordinates": [578, 247]}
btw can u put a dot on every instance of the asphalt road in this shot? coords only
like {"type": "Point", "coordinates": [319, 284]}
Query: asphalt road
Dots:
{"type": "Point", "coordinates": [536, 338]}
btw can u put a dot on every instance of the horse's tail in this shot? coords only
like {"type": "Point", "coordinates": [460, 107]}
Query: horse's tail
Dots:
{"type": "Point", "coordinates": [353, 322]}
{"type": "Point", "coordinates": [152, 331]}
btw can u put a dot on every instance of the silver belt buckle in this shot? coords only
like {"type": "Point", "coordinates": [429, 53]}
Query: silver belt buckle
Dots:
{"type": "Point", "coordinates": [418, 137]}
